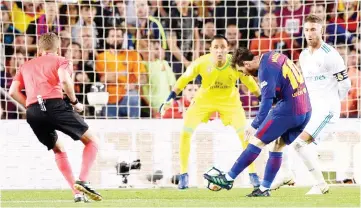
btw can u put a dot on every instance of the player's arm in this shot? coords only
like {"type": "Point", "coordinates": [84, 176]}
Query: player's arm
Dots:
{"type": "Point", "coordinates": [15, 89]}
{"type": "Point", "coordinates": [190, 74]}
{"type": "Point", "coordinates": [251, 84]}
{"type": "Point", "coordinates": [340, 74]}
{"type": "Point", "coordinates": [268, 93]}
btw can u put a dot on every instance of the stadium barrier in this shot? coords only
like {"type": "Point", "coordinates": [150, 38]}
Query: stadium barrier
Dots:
{"type": "Point", "coordinates": [26, 164]}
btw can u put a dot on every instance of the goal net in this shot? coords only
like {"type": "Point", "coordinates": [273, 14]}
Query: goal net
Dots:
{"type": "Point", "coordinates": [127, 54]}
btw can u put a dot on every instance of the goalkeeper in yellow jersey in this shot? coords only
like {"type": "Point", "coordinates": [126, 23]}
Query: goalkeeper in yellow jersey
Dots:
{"type": "Point", "coordinates": [218, 93]}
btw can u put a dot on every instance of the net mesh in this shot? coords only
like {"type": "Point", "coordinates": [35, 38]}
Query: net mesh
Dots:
{"type": "Point", "coordinates": [138, 48]}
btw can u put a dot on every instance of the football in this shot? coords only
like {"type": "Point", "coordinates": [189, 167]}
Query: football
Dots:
{"type": "Point", "coordinates": [211, 186]}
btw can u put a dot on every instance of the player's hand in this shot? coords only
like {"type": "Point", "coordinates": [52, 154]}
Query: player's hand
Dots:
{"type": "Point", "coordinates": [78, 107]}
{"type": "Point", "coordinates": [249, 133]}
{"type": "Point", "coordinates": [165, 106]}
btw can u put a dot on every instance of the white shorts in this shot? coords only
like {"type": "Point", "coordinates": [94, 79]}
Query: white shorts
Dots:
{"type": "Point", "coordinates": [317, 124]}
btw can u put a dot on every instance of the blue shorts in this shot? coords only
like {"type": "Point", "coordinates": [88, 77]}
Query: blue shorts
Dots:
{"type": "Point", "coordinates": [286, 127]}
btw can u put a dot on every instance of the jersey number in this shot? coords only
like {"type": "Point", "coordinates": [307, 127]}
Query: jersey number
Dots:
{"type": "Point", "coordinates": [290, 70]}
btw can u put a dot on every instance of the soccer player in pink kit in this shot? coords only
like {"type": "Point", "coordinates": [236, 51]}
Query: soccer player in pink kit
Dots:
{"type": "Point", "coordinates": [280, 81]}
{"type": "Point", "coordinates": [43, 79]}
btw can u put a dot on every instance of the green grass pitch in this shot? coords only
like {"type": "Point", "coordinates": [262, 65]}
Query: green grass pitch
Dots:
{"type": "Point", "coordinates": [285, 197]}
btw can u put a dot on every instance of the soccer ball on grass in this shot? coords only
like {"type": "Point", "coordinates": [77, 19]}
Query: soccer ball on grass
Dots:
{"type": "Point", "coordinates": [211, 186]}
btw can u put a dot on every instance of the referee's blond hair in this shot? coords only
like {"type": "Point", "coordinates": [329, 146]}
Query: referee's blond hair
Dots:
{"type": "Point", "coordinates": [49, 42]}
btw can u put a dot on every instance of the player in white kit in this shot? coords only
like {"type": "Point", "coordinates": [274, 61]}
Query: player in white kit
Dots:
{"type": "Point", "coordinates": [327, 83]}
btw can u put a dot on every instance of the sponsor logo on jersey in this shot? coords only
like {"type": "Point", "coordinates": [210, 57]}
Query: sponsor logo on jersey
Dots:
{"type": "Point", "coordinates": [316, 78]}
{"type": "Point", "coordinates": [219, 85]}
{"type": "Point", "coordinates": [299, 92]}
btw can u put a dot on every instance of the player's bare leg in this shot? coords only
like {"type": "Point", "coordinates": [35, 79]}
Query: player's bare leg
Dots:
{"type": "Point", "coordinates": [89, 156]}
{"type": "Point", "coordinates": [309, 157]}
{"type": "Point", "coordinates": [61, 159]}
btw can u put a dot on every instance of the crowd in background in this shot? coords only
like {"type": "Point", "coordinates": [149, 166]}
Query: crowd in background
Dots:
{"type": "Point", "coordinates": [138, 48]}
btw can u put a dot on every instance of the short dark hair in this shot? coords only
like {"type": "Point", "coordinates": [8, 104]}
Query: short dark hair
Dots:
{"type": "Point", "coordinates": [240, 55]}
{"type": "Point", "coordinates": [218, 37]}
{"type": "Point", "coordinates": [313, 19]}
{"type": "Point", "coordinates": [87, 4]}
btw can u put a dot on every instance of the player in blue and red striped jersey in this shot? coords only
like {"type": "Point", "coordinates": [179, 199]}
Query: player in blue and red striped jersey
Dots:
{"type": "Point", "coordinates": [280, 80]}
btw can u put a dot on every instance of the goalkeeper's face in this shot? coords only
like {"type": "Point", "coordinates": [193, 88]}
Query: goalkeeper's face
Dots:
{"type": "Point", "coordinates": [219, 50]}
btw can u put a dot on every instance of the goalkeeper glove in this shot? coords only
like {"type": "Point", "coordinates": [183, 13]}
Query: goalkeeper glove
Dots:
{"type": "Point", "coordinates": [166, 105]}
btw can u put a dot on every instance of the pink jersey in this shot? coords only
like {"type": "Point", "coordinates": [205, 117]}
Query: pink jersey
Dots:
{"type": "Point", "coordinates": [39, 76]}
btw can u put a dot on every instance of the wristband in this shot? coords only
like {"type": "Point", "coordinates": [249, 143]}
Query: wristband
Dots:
{"type": "Point", "coordinates": [172, 95]}
{"type": "Point", "coordinates": [75, 102]}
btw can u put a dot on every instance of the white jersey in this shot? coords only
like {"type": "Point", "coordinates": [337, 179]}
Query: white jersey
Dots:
{"type": "Point", "coordinates": [321, 70]}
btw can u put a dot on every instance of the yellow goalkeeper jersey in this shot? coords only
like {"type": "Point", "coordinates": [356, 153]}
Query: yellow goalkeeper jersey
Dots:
{"type": "Point", "coordinates": [218, 83]}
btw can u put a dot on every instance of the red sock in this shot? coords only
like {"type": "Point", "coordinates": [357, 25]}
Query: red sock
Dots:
{"type": "Point", "coordinates": [89, 155]}
{"type": "Point", "coordinates": [62, 162]}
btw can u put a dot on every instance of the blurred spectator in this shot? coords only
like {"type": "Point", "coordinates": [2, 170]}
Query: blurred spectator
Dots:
{"type": "Point", "coordinates": [85, 75]}
{"type": "Point", "coordinates": [204, 11]}
{"type": "Point", "coordinates": [88, 42]}
{"type": "Point", "coordinates": [6, 78]}
{"type": "Point", "coordinates": [2, 53]}
{"type": "Point", "coordinates": [7, 28]}
{"type": "Point", "coordinates": [119, 13]}
{"type": "Point", "coordinates": [250, 102]}
{"type": "Point", "coordinates": [334, 32]}
{"type": "Point", "coordinates": [20, 45]}
{"type": "Point", "coordinates": [123, 73]}
{"type": "Point", "coordinates": [161, 77]}
{"type": "Point", "coordinates": [15, 62]}
{"type": "Point", "coordinates": [241, 13]}
{"type": "Point", "coordinates": [22, 13]}
{"type": "Point", "coordinates": [104, 16]}
{"type": "Point", "coordinates": [131, 14]}
{"type": "Point", "coordinates": [181, 33]}
{"type": "Point", "coordinates": [348, 18]}
{"type": "Point", "coordinates": [65, 40]}
{"type": "Point", "coordinates": [180, 106]}
{"type": "Point", "coordinates": [290, 18]}
{"type": "Point", "coordinates": [234, 36]}
{"type": "Point", "coordinates": [208, 32]}
{"type": "Point", "coordinates": [69, 15]}
{"type": "Point", "coordinates": [271, 39]}
{"type": "Point", "coordinates": [349, 106]}
{"type": "Point", "coordinates": [48, 22]}
{"type": "Point", "coordinates": [148, 28]}
{"type": "Point", "coordinates": [269, 6]}
{"type": "Point", "coordinates": [86, 20]}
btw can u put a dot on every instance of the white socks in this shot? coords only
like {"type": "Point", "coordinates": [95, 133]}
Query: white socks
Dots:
{"type": "Point", "coordinates": [309, 157]}
{"type": "Point", "coordinates": [285, 169]}
{"type": "Point", "coordinates": [263, 189]}
{"type": "Point", "coordinates": [229, 178]}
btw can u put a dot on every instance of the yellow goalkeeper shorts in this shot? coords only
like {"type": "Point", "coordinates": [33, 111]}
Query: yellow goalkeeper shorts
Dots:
{"type": "Point", "coordinates": [199, 112]}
